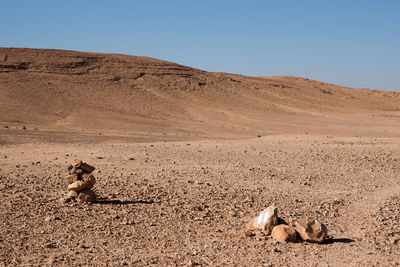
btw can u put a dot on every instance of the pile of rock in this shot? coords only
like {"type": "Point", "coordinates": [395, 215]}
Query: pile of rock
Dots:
{"type": "Point", "coordinates": [268, 223]}
{"type": "Point", "coordinates": [80, 181]}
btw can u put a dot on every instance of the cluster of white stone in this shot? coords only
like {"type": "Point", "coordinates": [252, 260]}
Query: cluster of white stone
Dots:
{"type": "Point", "coordinates": [268, 223]}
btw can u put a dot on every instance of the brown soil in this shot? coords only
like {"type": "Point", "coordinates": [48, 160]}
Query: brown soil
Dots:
{"type": "Point", "coordinates": [180, 168]}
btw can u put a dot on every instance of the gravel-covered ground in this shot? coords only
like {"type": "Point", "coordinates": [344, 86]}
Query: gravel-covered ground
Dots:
{"type": "Point", "coordinates": [187, 203]}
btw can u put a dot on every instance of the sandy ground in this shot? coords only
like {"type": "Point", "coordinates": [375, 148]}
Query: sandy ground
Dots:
{"type": "Point", "coordinates": [210, 151]}
{"type": "Point", "coordinates": [187, 202]}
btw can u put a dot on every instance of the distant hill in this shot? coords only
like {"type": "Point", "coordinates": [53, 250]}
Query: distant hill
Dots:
{"type": "Point", "coordinates": [92, 96]}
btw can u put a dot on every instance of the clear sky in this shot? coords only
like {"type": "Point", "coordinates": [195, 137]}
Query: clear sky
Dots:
{"type": "Point", "coordinates": [347, 42]}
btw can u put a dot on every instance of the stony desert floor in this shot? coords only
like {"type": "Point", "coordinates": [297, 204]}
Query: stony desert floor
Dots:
{"type": "Point", "coordinates": [187, 203]}
{"type": "Point", "coordinates": [167, 198]}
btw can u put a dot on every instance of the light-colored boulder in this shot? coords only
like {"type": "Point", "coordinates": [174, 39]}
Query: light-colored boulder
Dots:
{"type": "Point", "coordinates": [86, 195]}
{"type": "Point", "coordinates": [284, 233]}
{"type": "Point", "coordinates": [264, 222]}
{"type": "Point", "coordinates": [311, 230]}
{"type": "Point", "coordinates": [267, 219]}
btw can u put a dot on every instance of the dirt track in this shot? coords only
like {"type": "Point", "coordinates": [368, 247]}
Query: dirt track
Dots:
{"type": "Point", "coordinates": [188, 202]}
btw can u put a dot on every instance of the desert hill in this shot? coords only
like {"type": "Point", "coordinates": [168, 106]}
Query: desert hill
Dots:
{"type": "Point", "coordinates": [75, 96]}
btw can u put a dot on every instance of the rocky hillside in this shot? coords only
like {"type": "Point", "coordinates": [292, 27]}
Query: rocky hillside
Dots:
{"type": "Point", "coordinates": [129, 97]}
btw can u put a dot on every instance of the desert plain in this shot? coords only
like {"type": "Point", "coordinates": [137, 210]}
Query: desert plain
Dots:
{"type": "Point", "coordinates": [185, 158]}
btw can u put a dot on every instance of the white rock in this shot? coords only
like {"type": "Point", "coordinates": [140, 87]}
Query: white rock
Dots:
{"type": "Point", "coordinates": [265, 221]}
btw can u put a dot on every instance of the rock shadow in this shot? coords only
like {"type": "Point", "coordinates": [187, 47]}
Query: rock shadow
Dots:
{"type": "Point", "coordinates": [338, 240]}
{"type": "Point", "coordinates": [123, 202]}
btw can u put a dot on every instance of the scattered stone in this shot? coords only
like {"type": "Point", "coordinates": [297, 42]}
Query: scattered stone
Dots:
{"type": "Point", "coordinates": [86, 195]}
{"type": "Point", "coordinates": [99, 157]}
{"type": "Point", "coordinates": [51, 218]}
{"type": "Point", "coordinates": [311, 230]}
{"type": "Point", "coordinates": [284, 233]}
{"type": "Point", "coordinates": [6, 126]}
{"type": "Point", "coordinates": [264, 222]}
{"type": "Point", "coordinates": [191, 264]}
{"type": "Point", "coordinates": [50, 245]}
{"type": "Point", "coordinates": [268, 222]}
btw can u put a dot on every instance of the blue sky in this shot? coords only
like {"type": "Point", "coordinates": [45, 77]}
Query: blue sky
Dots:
{"type": "Point", "coordinates": [351, 43]}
